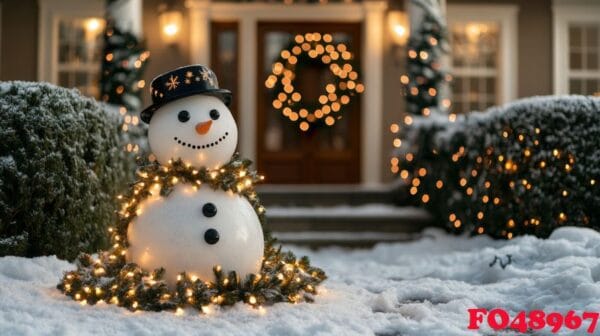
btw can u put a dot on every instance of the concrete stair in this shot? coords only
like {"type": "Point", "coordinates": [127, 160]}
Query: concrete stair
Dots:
{"type": "Point", "coordinates": [347, 215]}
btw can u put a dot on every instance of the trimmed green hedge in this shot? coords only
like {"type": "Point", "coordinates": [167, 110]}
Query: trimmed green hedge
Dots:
{"type": "Point", "coordinates": [61, 165]}
{"type": "Point", "coordinates": [527, 167]}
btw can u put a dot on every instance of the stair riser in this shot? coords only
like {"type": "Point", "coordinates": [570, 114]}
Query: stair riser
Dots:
{"type": "Point", "coordinates": [406, 225]}
{"type": "Point", "coordinates": [323, 199]}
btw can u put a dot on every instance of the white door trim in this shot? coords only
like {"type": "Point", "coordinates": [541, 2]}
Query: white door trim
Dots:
{"type": "Point", "coordinates": [371, 13]}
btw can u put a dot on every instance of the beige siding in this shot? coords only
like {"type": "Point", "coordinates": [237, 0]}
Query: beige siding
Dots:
{"type": "Point", "coordinates": [19, 40]}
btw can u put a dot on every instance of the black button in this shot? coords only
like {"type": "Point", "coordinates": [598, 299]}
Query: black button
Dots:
{"type": "Point", "coordinates": [183, 116]}
{"type": "Point", "coordinates": [211, 236]}
{"type": "Point", "coordinates": [214, 114]}
{"type": "Point", "coordinates": [209, 210]}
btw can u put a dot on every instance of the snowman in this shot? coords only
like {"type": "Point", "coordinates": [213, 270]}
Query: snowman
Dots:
{"type": "Point", "coordinates": [194, 229]}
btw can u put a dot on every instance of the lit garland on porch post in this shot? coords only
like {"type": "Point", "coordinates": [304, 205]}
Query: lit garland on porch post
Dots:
{"type": "Point", "coordinates": [123, 63]}
{"type": "Point", "coordinates": [426, 77]}
{"type": "Point", "coordinates": [425, 74]}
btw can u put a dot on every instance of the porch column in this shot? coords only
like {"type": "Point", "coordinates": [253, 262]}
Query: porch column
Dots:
{"type": "Point", "coordinates": [247, 88]}
{"type": "Point", "coordinates": [127, 15]}
{"type": "Point", "coordinates": [198, 13]}
{"type": "Point", "coordinates": [372, 102]}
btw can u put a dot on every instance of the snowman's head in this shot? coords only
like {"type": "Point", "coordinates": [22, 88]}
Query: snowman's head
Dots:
{"type": "Point", "coordinates": [197, 129]}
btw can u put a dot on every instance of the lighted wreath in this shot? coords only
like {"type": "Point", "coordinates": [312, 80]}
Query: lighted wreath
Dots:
{"type": "Point", "coordinates": [308, 50]}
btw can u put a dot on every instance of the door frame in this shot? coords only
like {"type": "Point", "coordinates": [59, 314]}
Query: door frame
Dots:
{"type": "Point", "coordinates": [370, 13]}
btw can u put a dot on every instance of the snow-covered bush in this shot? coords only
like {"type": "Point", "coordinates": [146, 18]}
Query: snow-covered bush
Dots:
{"type": "Point", "coordinates": [527, 167]}
{"type": "Point", "coordinates": [61, 166]}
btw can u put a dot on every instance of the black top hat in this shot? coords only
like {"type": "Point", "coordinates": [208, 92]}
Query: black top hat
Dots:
{"type": "Point", "coordinates": [182, 82]}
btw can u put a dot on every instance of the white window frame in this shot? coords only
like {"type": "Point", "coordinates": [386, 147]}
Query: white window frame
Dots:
{"type": "Point", "coordinates": [506, 18]}
{"type": "Point", "coordinates": [565, 12]}
{"type": "Point", "coordinates": [370, 13]}
{"type": "Point", "coordinates": [50, 14]}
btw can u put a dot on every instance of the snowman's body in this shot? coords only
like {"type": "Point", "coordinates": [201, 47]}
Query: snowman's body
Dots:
{"type": "Point", "coordinates": [195, 229]}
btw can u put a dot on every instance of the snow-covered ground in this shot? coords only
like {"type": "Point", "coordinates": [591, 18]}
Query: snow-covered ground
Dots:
{"type": "Point", "coordinates": [417, 288]}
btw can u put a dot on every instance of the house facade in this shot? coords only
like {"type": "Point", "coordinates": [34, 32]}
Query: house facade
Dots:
{"type": "Point", "coordinates": [502, 50]}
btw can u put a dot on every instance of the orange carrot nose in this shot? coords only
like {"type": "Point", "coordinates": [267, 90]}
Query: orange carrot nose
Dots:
{"type": "Point", "coordinates": [203, 127]}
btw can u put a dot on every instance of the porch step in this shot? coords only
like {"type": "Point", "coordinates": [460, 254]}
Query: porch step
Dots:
{"type": "Point", "coordinates": [319, 239]}
{"type": "Point", "coordinates": [358, 225]}
{"type": "Point", "coordinates": [328, 195]}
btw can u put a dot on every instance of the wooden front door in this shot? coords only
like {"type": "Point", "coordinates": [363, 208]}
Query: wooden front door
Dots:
{"type": "Point", "coordinates": [286, 154]}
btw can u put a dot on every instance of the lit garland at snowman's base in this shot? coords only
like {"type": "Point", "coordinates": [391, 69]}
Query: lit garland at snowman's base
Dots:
{"type": "Point", "coordinates": [111, 279]}
{"type": "Point", "coordinates": [283, 278]}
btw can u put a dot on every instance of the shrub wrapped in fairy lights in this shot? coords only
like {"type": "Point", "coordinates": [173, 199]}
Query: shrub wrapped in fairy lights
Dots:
{"type": "Point", "coordinates": [528, 167]}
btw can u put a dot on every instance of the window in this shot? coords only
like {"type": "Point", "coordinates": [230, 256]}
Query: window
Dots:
{"type": "Point", "coordinates": [70, 44]}
{"type": "Point", "coordinates": [79, 54]}
{"type": "Point", "coordinates": [474, 65]}
{"type": "Point", "coordinates": [483, 55]}
{"type": "Point", "coordinates": [576, 47]}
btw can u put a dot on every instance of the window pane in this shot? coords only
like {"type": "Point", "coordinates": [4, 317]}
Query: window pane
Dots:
{"type": "Point", "coordinates": [475, 44]}
{"type": "Point", "coordinates": [81, 79]}
{"type": "Point", "coordinates": [64, 80]}
{"type": "Point", "coordinates": [591, 36]}
{"type": "Point", "coordinates": [575, 60]}
{"type": "Point", "coordinates": [591, 86]}
{"type": "Point", "coordinates": [584, 58]}
{"type": "Point", "coordinates": [575, 37]}
{"type": "Point", "coordinates": [79, 53]}
{"type": "Point", "coordinates": [457, 85]}
{"type": "Point", "coordinates": [592, 60]}
{"type": "Point", "coordinates": [475, 51]}
{"type": "Point", "coordinates": [491, 85]}
{"type": "Point", "coordinates": [474, 106]}
{"type": "Point", "coordinates": [575, 86]}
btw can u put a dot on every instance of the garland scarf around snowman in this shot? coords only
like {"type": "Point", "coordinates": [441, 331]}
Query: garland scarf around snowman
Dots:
{"type": "Point", "coordinates": [160, 223]}
{"type": "Point", "coordinates": [110, 278]}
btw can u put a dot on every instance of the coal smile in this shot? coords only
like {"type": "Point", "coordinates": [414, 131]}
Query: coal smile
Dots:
{"type": "Point", "coordinates": [208, 145]}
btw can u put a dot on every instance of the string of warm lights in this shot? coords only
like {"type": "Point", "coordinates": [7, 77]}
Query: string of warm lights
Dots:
{"type": "Point", "coordinates": [314, 48]}
{"type": "Point", "coordinates": [111, 279]}
{"type": "Point", "coordinates": [502, 176]}
{"type": "Point", "coordinates": [516, 179]}
{"type": "Point", "coordinates": [425, 72]}
{"type": "Point", "coordinates": [122, 66]}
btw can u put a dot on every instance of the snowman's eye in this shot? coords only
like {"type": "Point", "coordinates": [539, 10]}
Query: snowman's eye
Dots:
{"type": "Point", "coordinates": [209, 210]}
{"type": "Point", "coordinates": [183, 116]}
{"type": "Point", "coordinates": [211, 236]}
{"type": "Point", "coordinates": [214, 114]}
